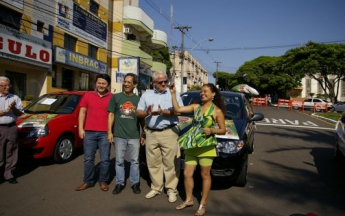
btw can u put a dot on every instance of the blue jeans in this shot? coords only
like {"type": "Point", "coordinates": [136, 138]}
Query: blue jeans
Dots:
{"type": "Point", "coordinates": [120, 152]}
{"type": "Point", "coordinates": [92, 140]}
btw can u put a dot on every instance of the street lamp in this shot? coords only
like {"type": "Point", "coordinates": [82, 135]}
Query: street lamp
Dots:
{"type": "Point", "coordinates": [207, 39]}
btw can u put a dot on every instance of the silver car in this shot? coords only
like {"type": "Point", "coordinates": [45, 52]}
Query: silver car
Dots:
{"type": "Point", "coordinates": [340, 139]}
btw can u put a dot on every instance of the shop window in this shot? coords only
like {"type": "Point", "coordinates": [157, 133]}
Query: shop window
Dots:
{"type": "Point", "coordinates": [40, 26]}
{"type": "Point", "coordinates": [94, 7]}
{"type": "Point", "coordinates": [67, 79]}
{"type": "Point", "coordinates": [93, 51]}
{"type": "Point", "coordinates": [18, 82]}
{"type": "Point", "coordinates": [10, 18]}
{"type": "Point", "coordinates": [84, 81]}
{"type": "Point", "coordinates": [70, 42]}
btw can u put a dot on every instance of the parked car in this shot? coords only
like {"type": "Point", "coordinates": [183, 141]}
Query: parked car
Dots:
{"type": "Point", "coordinates": [309, 103]}
{"type": "Point", "coordinates": [339, 138]}
{"type": "Point", "coordinates": [338, 107]}
{"type": "Point", "coordinates": [49, 127]}
{"type": "Point", "coordinates": [233, 149]}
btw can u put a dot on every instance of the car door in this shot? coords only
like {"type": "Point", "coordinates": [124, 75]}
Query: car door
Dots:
{"type": "Point", "coordinates": [250, 128]}
{"type": "Point", "coordinates": [308, 103]}
{"type": "Point", "coordinates": [340, 132]}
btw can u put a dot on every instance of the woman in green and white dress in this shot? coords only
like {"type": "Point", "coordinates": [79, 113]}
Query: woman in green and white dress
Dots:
{"type": "Point", "coordinates": [200, 141]}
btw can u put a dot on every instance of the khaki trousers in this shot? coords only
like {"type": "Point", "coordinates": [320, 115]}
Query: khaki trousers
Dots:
{"type": "Point", "coordinates": [163, 158]}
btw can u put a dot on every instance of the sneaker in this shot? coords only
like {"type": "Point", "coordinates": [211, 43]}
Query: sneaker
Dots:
{"type": "Point", "coordinates": [136, 188]}
{"type": "Point", "coordinates": [152, 194]}
{"type": "Point", "coordinates": [118, 189]}
{"type": "Point", "coordinates": [172, 197]}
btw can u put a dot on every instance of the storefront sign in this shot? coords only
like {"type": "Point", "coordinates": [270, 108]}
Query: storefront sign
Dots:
{"type": "Point", "coordinates": [19, 46]}
{"type": "Point", "coordinates": [80, 61]}
{"type": "Point", "coordinates": [79, 21]}
{"type": "Point", "coordinates": [127, 65]}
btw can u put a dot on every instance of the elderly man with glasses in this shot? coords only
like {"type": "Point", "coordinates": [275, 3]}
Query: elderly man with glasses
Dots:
{"type": "Point", "coordinates": [162, 151]}
{"type": "Point", "coordinates": [10, 108]}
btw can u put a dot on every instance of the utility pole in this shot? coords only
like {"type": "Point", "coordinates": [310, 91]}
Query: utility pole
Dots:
{"type": "Point", "coordinates": [174, 70]}
{"type": "Point", "coordinates": [217, 63]}
{"type": "Point", "coordinates": [182, 30]}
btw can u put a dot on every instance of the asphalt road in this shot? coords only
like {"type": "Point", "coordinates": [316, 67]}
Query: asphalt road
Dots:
{"type": "Point", "coordinates": [291, 172]}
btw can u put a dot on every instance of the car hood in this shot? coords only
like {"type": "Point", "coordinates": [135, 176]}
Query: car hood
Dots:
{"type": "Point", "coordinates": [35, 120]}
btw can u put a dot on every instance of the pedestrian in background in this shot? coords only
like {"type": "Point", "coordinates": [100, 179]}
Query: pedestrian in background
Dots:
{"type": "Point", "coordinates": [269, 100]}
{"type": "Point", "coordinates": [200, 141]}
{"type": "Point", "coordinates": [10, 108]}
{"type": "Point", "coordinates": [162, 151]}
{"type": "Point", "coordinates": [92, 123]}
{"type": "Point", "coordinates": [122, 112]}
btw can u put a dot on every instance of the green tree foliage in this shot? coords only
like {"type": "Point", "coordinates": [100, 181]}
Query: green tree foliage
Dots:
{"type": "Point", "coordinates": [164, 57]}
{"type": "Point", "coordinates": [195, 88]}
{"type": "Point", "coordinates": [318, 61]}
{"type": "Point", "coordinates": [263, 74]}
{"type": "Point", "coordinates": [225, 80]}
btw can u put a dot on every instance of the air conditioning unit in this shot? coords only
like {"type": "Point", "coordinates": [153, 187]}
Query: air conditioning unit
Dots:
{"type": "Point", "coordinates": [127, 31]}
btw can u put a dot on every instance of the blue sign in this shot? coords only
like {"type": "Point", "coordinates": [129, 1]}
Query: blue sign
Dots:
{"type": "Point", "coordinates": [78, 60]}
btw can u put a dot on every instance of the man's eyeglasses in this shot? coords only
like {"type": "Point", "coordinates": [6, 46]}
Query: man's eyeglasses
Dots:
{"type": "Point", "coordinates": [4, 86]}
{"type": "Point", "coordinates": [161, 82]}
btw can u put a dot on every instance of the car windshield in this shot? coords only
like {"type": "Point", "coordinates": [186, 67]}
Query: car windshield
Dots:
{"type": "Point", "coordinates": [232, 104]}
{"type": "Point", "coordinates": [54, 103]}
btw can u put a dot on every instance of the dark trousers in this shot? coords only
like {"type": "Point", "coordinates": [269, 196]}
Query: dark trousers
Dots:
{"type": "Point", "coordinates": [8, 149]}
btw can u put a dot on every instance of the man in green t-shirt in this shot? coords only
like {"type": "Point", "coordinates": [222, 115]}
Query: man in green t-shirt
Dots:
{"type": "Point", "coordinates": [122, 113]}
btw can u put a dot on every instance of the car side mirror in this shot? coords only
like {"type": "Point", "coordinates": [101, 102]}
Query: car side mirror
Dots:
{"type": "Point", "coordinates": [256, 117]}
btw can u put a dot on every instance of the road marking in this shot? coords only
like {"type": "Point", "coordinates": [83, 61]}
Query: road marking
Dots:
{"type": "Point", "coordinates": [295, 126]}
{"type": "Point", "coordinates": [283, 121]}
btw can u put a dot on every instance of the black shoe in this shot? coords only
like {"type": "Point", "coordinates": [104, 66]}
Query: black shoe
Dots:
{"type": "Point", "coordinates": [12, 181]}
{"type": "Point", "coordinates": [136, 188]}
{"type": "Point", "coordinates": [118, 189]}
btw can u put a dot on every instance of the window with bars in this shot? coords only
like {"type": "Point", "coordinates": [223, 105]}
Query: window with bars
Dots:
{"type": "Point", "coordinates": [84, 81]}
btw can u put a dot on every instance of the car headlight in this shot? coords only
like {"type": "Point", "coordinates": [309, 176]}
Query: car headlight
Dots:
{"type": "Point", "coordinates": [39, 132]}
{"type": "Point", "coordinates": [230, 147]}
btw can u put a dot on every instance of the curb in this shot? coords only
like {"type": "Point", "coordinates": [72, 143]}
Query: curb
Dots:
{"type": "Point", "coordinates": [321, 117]}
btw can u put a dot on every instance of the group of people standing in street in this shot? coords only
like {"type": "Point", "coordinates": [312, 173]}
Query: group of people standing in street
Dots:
{"type": "Point", "coordinates": [129, 121]}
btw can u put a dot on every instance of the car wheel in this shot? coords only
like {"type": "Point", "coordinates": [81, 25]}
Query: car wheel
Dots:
{"type": "Point", "coordinates": [296, 107]}
{"type": "Point", "coordinates": [337, 153]}
{"type": "Point", "coordinates": [241, 179]}
{"type": "Point", "coordinates": [64, 149]}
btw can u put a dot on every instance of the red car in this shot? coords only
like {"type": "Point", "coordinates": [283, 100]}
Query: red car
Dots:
{"type": "Point", "coordinates": [49, 127]}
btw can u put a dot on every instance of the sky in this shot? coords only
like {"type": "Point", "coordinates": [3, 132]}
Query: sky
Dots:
{"type": "Point", "coordinates": [243, 30]}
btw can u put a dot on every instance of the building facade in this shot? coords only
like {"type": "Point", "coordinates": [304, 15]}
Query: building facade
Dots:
{"type": "Point", "coordinates": [60, 45]}
{"type": "Point", "coordinates": [193, 72]}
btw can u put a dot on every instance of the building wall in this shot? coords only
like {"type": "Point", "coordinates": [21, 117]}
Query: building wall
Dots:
{"type": "Point", "coordinates": [193, 71]}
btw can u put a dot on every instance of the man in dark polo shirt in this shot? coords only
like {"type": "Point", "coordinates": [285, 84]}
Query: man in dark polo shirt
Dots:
{"type": "Point", "coordinates": [10, 108]}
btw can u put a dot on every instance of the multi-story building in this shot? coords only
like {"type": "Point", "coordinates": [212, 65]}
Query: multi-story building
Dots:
{"type": "Point", "coordinates": [60, 45]}
{"type": "Point", "coordinates": [193, 72]}
{"type": "Point", "coordinates": [25, 47]}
